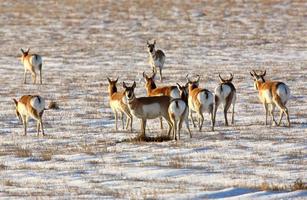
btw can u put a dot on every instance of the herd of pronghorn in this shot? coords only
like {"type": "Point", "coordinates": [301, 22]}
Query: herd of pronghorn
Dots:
{"type": "Point", "coordinates": [173, 103]}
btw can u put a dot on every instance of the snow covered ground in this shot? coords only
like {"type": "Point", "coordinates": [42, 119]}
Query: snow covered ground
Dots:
{"type": "Point", "coordinates": [83, 42]}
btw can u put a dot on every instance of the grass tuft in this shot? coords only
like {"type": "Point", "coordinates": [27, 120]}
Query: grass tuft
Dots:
{"type": "Point", "coordinates": [299, 185]}
{"type": "Point", "coordinates": [53, 105]}
{"type": "Point", "coordinates": [142, 138]}
{"type": "Point", "coordinates": [23, 153]}
{"type": "Point", "coordinates": [46, 155]}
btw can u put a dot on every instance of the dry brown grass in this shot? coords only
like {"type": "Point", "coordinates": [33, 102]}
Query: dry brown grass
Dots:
{"type": "Point", "coordinates": [53, 105]}
{"type": "Point", "coordinates": [46, 155]}
{"type": "Point", "coordinates": [299, 185]}
{"type": "Point", "coordinates": [8, 183]}
{"type": "Point", "coordinates": [23, 152]}
{"type": "Point", "coordinates": [141, 138]}
{"type": "Point", "coordinates": [3, 166]}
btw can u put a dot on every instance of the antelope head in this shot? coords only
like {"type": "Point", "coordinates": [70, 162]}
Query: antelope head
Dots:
{"type": "Point", "coordinates": [112, 85]}
{"type": "Point", "coordinates": [258, 78]}
{"type": "Point", "coordinates": [193, 83]}
{"type": "Point", "coordinates": [150, 80]}
{"type": "Point", "coordinates": [24, 53]}
{"type": "Point", "coordinates": [151, 47]}
{"type": "Point", "coordinates": [226, 80]}
{"type": "Point", "coordinates": [129, 91]}
{"type": "Point", "coordinates": [16, 109]}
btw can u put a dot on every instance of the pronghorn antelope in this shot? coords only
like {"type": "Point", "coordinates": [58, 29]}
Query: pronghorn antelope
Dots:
{"type": "Point", "coordinates": [153, 90]}
{"type": "Point", "coordinates": [117, 104]}
{"type": "Point", "coordinates": [200, 101]}
{"type": "Point", "coordinates": [225, 93]}
{"type": "Point", "coordinates": [179, 111]}
{"type": "Point", "coordinates": [147, 107]}
{"type": "Point", "coordinates": [274, 93]}
{"type": "Point", "coordinates": [156, 58]}
{"type": "Point", "coordinates": [30, 106]}
{"type": "Point", "coordinates": [32, 63]}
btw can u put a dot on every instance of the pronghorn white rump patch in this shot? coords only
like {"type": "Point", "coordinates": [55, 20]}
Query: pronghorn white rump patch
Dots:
{"type": "Point", "coordinates": [175, 93]}
{"type": "Point", "coordinates": [283, 92]}
{"type": "Point", "coordinates": [177, 108]}
{"type": "Point", "coordinates": [38, 103]}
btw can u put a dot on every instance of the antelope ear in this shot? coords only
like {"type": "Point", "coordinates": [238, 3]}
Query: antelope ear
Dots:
{"type": "Point", "coordinates": [144, 75]}
{"type": "Point", "coordinates": [134, 84]}
{"type": "Point", "coordinates": [251, 74]}
{"type": "Point", "coordinates": [178, 86]}
{"type": "Point", "coordinates": [263, 74]}
{"type": "Point", "coordinates": [221, 80]}
{"type": "Point", "coordinates": [15, 101]}
{"type": "Point", "coordinates": [147, 42]}
{"type": "Point", "coordinates": [231, 77]}
{"type": "Point", "coordinates": [116, 80]}
{"type": "Point", "coordinates": [198, 78]}
{"type": "Point", "coordinates": [154, 42]}
{"type": "Point", "coordinates": [153, 74]}
{"type": "Point", "coordinates": [109, 79]}
{"type": "Point", "coordinates": [124, 85]}
{"type": "Point", "coordinates": [28, 50]}
{"type": "Point", "coordinates": [22, 51]}
{"type": "Point", "coordinates": [187, 77]}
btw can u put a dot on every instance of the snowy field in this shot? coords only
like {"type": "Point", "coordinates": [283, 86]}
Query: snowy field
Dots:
{"type": "Point", "coordinates": [83, 42]}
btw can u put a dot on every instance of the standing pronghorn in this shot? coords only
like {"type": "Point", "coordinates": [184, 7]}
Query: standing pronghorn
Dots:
{"type": "Point", "coordinates": [274, 93]}
{"type": "Point", "coordinates": [153, 90]}
{"type": "Point", "coordinates": [225, 93]}
{"type": "Point", "coordinates": [33, 63]}
{"type": "Point", "coordinates": [30, 106]}
{"type": "Point", "coordinates": [156, 58]}
{"type": "Point", "coordinates": [179, 111]}
{"type": "Point", "coordinates": [200, 101]}
{"type": "Point", "coordinates": [117, 104]}
{"type": "Point", "coordinates": [147, 107]}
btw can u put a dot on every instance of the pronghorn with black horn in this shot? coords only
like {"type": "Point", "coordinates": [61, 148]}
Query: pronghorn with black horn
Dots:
{"type": "Point", "coordinates": [225, 94]}
{"type": "Point", "coordinates": [156, 58]}
{"type": "Point", "coordinates": [30, 106]}
{"type": "Point", "coordinates": [274, 93]}
{"type": "Point", "coordinates": [117, 104]}
{"type": "Point", "coordinates": [153, 90]}
{"type": "Point", "coordinates": [32, 63]}
{"type": "Point", "coordinates": [179, 111]}
{"type": "Point", "coordinates": [200, 101]}
{"type": "Point", "coordinates": [146, 108]}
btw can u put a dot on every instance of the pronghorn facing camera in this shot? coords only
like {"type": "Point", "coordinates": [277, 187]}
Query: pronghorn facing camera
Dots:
{"type": "Point", "coordinates": [200, 101]}
{"type": "Point", "coordinates": [32, 63]}
{"type": "Point", "coordinates": [30, 106]}
{"type": "Point", "coordinates": [156, 58]}
{"type": "Point", "coordinates": [153, 90]}
{"type": "Point", "coordinates": [117, 104]}
{"type": "Point", "coordinates": [274, 93]}
{"type": "Point", "coordinates": [225, 94]}
{"type": "Point", "coordinates": [179, 111]}
{"type": "Point", "coordinates": [146, 108]}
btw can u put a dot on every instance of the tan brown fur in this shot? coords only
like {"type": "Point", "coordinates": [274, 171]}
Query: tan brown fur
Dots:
{"type": "Point", "coordinates": [32, 63]}
{"type": "Point", "coordinates": [268, 94]}
{"type": "Point", "coordinates": [147, 107]}
{"type": "Point", "coordinates": [24, 110]}
{"type": "Point", "coordinates": [196, 105]}
{"type": "Point", "coordinates": [225, 93]}
{"type": "Point", "coordinates": [153, 90]}
{"type": "Point", "coordinates": [118, 105]}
